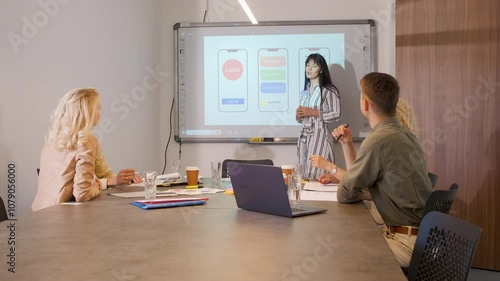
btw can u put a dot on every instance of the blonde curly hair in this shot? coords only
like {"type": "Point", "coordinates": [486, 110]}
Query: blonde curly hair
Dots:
{"type": "Point", "coordinates": [406, 116]}
{"type": "Point", "coordinates": [73, 119]}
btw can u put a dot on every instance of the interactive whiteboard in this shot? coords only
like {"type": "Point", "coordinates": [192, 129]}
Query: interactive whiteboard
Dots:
{"type": "Point", "coordinates": [236, 82]}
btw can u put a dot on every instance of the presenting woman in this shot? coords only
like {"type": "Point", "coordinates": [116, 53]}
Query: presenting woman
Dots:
{"type": "Point", "coordinates": [72, 166]}
{"type": "Point", "coordinates": [319, 105]}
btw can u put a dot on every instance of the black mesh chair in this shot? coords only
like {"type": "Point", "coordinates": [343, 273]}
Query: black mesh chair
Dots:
{"type": "Point", "coordinates": [225, 172]}
{"type": "Point", "coordinates": [441, 200]}
{"type": "Point", "coordinates": [3, 211]}
{"type": "Point", "coordinates": [433, 178]}
{"type": "Point", "coordinates": [444, 249]}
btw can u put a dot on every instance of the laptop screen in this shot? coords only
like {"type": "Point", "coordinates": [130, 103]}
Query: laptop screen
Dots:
{"type": "Point", "coordinates": [260, 188]}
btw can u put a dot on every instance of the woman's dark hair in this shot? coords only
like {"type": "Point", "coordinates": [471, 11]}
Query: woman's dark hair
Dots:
{"type": "Point", "coordinates": [324, 76]}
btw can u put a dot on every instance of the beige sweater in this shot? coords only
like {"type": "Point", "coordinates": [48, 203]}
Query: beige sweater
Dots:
{"type": "Point", "coordinates": [70, 174]}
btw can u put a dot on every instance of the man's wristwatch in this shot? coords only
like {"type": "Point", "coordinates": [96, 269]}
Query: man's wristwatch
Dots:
{"type": "Point", "coordinates": [334, 171]}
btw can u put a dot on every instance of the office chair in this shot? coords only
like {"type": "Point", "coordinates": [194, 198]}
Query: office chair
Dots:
{"type": "Point", "coordinates": [444, 248]}
{"type": "Point", "coordinates": [3, 211]}
{"type": "Point", "coordinates": [433, 178]}
{"type": "Point", "coordinates": [225, 172]}
{"type": "Point", "coordinates": [441, 200]}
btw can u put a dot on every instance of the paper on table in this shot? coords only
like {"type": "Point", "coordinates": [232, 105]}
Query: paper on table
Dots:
{"type": "Point", "coordinates": [161, 179]}
{"type": "Point", "coordinates": [318, 195]}
{"type": "Point", "coordinates": [137, 194]}
{"type": "Point", "coordinates": [317, 186]}
{"type": "Point", "coordinates": [197, 191]}
{"type": "Point", "coordinates": [141, 184]}
{"type": "Point", "coordinates": [168, 180]}
{"type": "Point", "coordinates": [168, 176]}
{"type": "Point", "coordinates": [170, 192]}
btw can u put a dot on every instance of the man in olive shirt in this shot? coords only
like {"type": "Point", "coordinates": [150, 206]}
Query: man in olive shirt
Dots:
{"type": "Point", "coordinates": [390, 163]}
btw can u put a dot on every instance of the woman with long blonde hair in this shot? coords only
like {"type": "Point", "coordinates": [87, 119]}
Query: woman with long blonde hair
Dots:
{"type": "Point", "coordinates": [72, 166]}
{"type": "Point", "coordinates": [406, 116]}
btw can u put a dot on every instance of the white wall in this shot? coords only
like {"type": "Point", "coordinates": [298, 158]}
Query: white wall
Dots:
{"type": "Point", "coordinates": [74, 43]}
{"type": "Point", "coordinates": [114, 45]}
{"type": "Point", "coordinates": [264, 10]}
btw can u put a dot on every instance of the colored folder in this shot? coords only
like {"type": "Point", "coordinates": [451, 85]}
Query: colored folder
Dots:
{"type": "Point", "coordinates": [168, 202]}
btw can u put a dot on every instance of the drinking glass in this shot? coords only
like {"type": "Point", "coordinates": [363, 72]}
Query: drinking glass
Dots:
{"type": "Point", "coordinates": [295, 184]}
{"type": "Point", "coordinates": [293, 190]}
{"type": "Point", "coordinates": [175, 166]}
{"type": "Point", "coordinates": [150, 185]}
{"type": "Point", "coordinates": [298, 172]}
{"type": "Point", "coordinates": [216, 172]}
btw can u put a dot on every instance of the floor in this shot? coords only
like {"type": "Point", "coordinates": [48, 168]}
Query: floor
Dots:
{"type": "Point", "coordinates": [483, 275]}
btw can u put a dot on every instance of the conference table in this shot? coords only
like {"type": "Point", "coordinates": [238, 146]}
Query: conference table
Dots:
{"type": "Point", "coordinates": [109, 239]}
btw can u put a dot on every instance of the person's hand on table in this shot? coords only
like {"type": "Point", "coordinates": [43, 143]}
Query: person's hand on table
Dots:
{"type": "Point", "coordinates": [125, 176]}
{"type": "Point", "coordinates": [137, 178]}
{"type": "Point", "coordinates": [327, 178]}
{"type": "Point", "coordinates": [99, 183]}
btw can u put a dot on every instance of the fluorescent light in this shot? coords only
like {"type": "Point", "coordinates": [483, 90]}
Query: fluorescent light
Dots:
{"type": "Point", "coordinates": [245, 7]}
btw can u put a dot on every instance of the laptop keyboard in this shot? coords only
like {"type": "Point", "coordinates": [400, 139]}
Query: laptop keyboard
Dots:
{"type": "Point", "coordinates": [297, 210]}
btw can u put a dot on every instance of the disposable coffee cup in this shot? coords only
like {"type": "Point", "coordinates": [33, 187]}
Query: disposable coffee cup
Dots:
{"type": "Point", "coordinates": [192, 175]}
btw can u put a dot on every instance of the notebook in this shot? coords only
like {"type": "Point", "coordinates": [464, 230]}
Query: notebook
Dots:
{"type": "Point", "coordinates": [261, 188]}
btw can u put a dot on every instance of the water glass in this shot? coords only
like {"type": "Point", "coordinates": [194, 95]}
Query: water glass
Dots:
{"type": "Point", "coordinates": [150, 185]}
{"type": "Point", "coordinates": [294, 188]}
{"type": "Point", "coordinates": [298, 171]}
{"type": "Point", "coordinates": [175, 165]}
{"type": "Point", "coordinates": [216, 172]}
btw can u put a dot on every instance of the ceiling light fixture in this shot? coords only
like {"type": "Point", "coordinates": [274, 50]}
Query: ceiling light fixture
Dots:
{"type": "Point", "coordinates": [245, 7]}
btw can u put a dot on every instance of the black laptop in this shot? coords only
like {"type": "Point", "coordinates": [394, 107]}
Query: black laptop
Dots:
{"type": "Point", "coordinates": [261, 188]}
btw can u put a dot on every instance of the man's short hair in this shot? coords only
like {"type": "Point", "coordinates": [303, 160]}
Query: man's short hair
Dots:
{"type": "Point", "coordinates": [383, 90]}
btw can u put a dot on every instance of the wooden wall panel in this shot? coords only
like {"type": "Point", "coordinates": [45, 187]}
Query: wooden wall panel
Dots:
{"type": "Point", "coordinates": [448, 65]}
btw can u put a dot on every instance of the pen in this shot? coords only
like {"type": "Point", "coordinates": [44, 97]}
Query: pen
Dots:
{"type": "Point", "coordinates": [337, 140]}
{"type": "Point", "coordinates": [136, 174]}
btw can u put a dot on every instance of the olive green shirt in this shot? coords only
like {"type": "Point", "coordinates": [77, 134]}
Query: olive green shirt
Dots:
{"type": "Point", "coordinates": [392, 164]}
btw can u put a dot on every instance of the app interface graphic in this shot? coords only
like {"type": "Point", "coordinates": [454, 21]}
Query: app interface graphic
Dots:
{"type": "Point", "coordinates": [273, 79]}
{"type": "Point", "coordinates": [303, 54]}
{"type": "Point", "coordinates": [233, 80]}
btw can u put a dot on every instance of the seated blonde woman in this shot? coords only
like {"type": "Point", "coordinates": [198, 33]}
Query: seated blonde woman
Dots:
{"type": "Point", "coordinates": [405, 115]}
{"type": "Point", "coordinates": [72, 166]}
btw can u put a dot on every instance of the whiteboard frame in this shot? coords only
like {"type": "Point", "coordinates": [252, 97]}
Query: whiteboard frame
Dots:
{"type": "Point", "coordinates": [373, 67]}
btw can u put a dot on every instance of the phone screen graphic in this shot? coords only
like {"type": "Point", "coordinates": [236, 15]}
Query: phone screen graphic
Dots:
{"type": "Point", "coordinates": [273, 79]}
{"type": "Point", "coordinates": [233, 80]}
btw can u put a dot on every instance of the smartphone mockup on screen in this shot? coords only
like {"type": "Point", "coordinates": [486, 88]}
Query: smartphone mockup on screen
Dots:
{"type": "Point", "coordinates": [233, 80]}
{"type": "Point", "coordinates": [273, 79]}
{"type": "Point", "coordinates": [303, 54]}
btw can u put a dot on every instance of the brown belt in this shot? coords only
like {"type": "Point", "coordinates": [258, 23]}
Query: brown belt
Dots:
{"type": "Point", "coordinates": [403, 230]}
